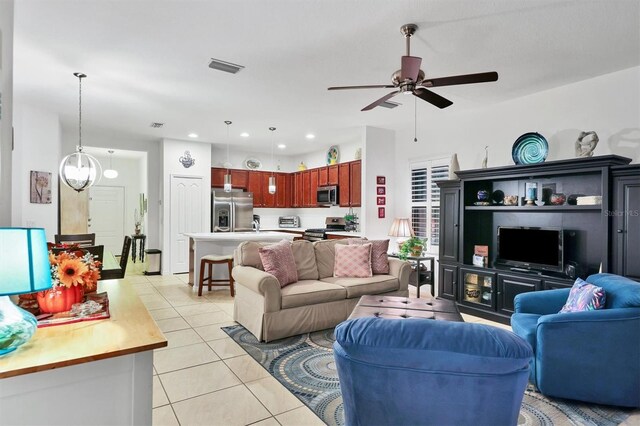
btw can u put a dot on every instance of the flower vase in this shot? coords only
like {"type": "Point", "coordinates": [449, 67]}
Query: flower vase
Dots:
{"type": "Point", "coordinates": [59, 299]}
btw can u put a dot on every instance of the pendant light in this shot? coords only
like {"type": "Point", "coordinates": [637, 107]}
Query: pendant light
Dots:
{"type": "Point", "coordinates": [272, 178]}
{"type": "Point", "coordinates": [227, 176]}
{"type": "Point", "coordinates": [110, 173]}
{"type": "Point", "coordinates": [79, 171]}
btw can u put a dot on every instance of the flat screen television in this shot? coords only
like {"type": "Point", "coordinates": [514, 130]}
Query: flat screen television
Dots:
{"type": "Point", "coordinates": [530, 248]}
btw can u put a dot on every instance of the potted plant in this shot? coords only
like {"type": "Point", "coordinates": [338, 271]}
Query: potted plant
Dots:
{"type": "Point", "coordinates": [414, 246]}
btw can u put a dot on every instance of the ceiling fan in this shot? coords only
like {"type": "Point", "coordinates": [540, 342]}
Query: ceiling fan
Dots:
{"type": "Point", "coordinates": [410, 79]}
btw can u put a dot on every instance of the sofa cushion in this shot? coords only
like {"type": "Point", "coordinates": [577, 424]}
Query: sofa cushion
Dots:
{"type": "Point", "coordinates": [584, 297]}
{"type": "Point", "coordinates": [357, 287]}
{"type": "Point", "coordinates": [247, 254]}
{"type": "Point", "coordinates": [379, 249]}
{"type": "Point", "coordinates": [621, 292]}
{"type": "Point", "coordinates": [305, 258]}
{"type": "Point", "coordinates": [278, 261]}
{"type": "Point", "coordinates": [353, 261]}
{"type": "Point", "coordinates": [325, 256]}
{"type": "Point", "coordinates": [311, 292]}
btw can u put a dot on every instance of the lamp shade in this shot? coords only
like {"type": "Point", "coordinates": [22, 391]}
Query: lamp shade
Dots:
{"type": "Point", "coordinates": [24, 263]}
{"type": "Point", "coordinates": [401, 227]}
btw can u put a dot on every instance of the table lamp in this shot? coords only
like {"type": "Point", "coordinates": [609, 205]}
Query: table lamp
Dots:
{"type": "Point", "coordinates": [24, 268]}
{"type": "Point", "coordinates": [401, 228]}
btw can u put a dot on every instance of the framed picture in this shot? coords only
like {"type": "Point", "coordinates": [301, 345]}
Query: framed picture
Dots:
{"type": "Point", "coordinates": [40, 188]}
{"type": "Point", "coordinates": [381, 201]}
{"type": "Point", "coordinates": [380, 212]}
{"type": "Point", "coordinates": [381, 180]}
{"type": "Point", "coordinates": [381, 190]}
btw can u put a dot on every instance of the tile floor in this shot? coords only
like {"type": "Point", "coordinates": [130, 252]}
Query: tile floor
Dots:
{"type": "Point", "coordinates": [203, 376]}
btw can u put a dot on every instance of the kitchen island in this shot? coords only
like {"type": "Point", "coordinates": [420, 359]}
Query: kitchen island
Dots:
{"type": "Point", "coordinates": [92, 372]}
{"type": "Point", "coordinates": [223, 243]}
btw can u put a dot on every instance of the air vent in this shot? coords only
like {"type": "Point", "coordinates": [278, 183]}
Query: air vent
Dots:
{"type": "Point", "coordinates": [389, 104]}
{"type": "Point", "coordinates": [157, 125]}
{"type": "Point", "coordinates": [219, 65]}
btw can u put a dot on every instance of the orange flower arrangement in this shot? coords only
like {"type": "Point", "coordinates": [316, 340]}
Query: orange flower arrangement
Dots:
{"type": "Point", "coordinates": [74, 268]}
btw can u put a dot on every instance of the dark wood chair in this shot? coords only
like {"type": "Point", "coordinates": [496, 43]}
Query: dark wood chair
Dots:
{"type": "Point", "coordinates": [126, 248]}
{"type": "Point", "coordinates": [82, 240]}
{"type": "Point", "coordinates": [96, 251]}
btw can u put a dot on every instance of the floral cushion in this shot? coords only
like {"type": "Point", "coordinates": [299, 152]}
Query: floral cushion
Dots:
{"type": "Point", "coordinates": [278, 260]}
{"type": "Point", "coordinates": [584, 297]}
{"type": "Point", "coordinates": [352, 261]}
{"type": "Point", "coordinates": [379, 259]}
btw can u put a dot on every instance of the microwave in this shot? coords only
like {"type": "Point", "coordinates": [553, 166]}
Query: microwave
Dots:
{"type": "Point", "coordinates": [327, 196]}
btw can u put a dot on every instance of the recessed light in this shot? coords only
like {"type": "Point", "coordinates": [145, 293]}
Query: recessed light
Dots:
{"type": "Point", "coordinates": [193, 135]}
{"type": "Point", "coordinates": [244, 134]}
{"type": "Point", "coordinates": [310, 136]}
{"type": "Point", "coordinates": [281, 146]}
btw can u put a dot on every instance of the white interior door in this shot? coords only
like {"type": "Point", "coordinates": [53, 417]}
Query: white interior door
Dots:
{"type": "Point", "coordinates": [106, 216]}
{"type": "Point", "coordinates": [186, 216]}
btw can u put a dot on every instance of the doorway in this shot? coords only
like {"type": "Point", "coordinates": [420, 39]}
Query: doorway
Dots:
{"type": "Point", "coordinates": [106, 216]}
{"type": "Point", "coordinates": [186, 216]}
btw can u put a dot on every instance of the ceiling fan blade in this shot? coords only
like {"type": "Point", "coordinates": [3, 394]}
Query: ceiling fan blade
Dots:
{"type": "Point", "coordinates": [482, 77]}
{"type": "Point", "coordinates": [410, 67]}
{"type": "Point", "coordinates": [379, 101]}
{"type": "Point", "coordinates": [374, 86]}
{"type": "Point", "coordinates": [432, 98]}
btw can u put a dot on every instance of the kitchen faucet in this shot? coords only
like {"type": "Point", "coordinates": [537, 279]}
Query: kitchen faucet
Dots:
{"type": "Point", "coordinates": [256, 225]}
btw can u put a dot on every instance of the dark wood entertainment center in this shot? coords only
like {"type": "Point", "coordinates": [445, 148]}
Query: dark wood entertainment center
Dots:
{"type": "Point", "coordinates": [603, 235]}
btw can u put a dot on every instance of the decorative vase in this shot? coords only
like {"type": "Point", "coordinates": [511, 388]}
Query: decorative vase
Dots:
{"type": "Point", "coordinates": [416, 250]}
{"type": "Point", "coordinates": [558, 199]}
{"type": "Point", "coordinates": [454, 167]}
{"type": "Point", "coordinates": [59, 299]}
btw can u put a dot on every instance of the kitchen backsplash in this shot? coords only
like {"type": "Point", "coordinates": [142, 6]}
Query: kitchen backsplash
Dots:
{"type": "Point", "coordinates": [309, 218]}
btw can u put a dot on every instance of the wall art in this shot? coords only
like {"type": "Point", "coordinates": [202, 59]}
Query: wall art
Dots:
{"type": "Point", "coordinates": [381, 201]}
{"type": "Point", "coordinates": [381, 180]}
{"type": "Point", "coordinates": [40, 187]}
{"type": "Point", "coordinates": [380, 212]}
{"type": "Point", "coordinates": [381, 190]}
{"type": "Point", "coordinates": [187, 160]}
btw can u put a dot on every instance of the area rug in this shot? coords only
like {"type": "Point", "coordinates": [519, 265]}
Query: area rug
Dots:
{"type": "Point", "coordinates": [304, 364]}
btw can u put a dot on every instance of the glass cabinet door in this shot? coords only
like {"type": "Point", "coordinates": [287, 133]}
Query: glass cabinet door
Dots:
{"type": "Point", "coordinates": [478, 288]}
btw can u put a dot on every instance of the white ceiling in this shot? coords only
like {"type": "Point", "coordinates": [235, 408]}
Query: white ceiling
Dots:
{"type": "Point", "coordinates": [146, 61]}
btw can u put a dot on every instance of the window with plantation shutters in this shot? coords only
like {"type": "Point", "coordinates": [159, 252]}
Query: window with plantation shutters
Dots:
{"type": "Point", "coordinates": [425, 198]}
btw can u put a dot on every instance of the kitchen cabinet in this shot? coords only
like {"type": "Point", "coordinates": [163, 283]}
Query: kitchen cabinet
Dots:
{"type": "Point", "coordinates": [350, 184]}
{"type": "Point", "coordinates": [306, 188]}
{"type": "Point", "coordinates": [332, 175]}
{"type": "Point", "coordinates": [283, 190]}
{"type": "Point", "coordinates": [323, 176]}
{"type": "Point", "coordinates": [239, 178]}
{"type": "Point", "coordinates": [313, 187]}
{"type": "Point", "coordinates": [297, 191]}
{"type": "Point", "coordinates": [268, 200]}
{"type": "Point", "coordinates": [254, 184]}
{"type": "Point", "coordinates": [217, 177]}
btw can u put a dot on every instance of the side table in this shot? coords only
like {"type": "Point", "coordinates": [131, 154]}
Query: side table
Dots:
{"type": "Point", "coordinates": [134, 240]}
{"type": "Point", "coordinates": [418, 260]}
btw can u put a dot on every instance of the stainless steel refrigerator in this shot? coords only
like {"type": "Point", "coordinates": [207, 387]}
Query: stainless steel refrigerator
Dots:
{"type": "Point", "coordinates": [231, 211]}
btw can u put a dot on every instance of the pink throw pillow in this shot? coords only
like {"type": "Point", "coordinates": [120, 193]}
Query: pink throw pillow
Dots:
{"type": "Point", "coordinates": [278, 260]}
{"type": "Point", "coordinates": [352, 261]}
{"type": "Point", "coordinates": [379, 259]}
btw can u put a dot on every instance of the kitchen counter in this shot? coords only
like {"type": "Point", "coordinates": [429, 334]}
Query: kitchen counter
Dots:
{"type": "Point", "coordinates": [222, 244]}
{"type": "Point", "coordinates": [351, 234]}
{"type": "Point", "coordinates": [286, 229]}
{"type": "Point", "coordinates": [103, 364]}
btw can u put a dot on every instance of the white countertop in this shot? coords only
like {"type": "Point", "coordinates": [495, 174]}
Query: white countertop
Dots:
{"type": "Point", "coordinates": [285, 229]}
{"type": "Point", "coordinates": [240, 236]}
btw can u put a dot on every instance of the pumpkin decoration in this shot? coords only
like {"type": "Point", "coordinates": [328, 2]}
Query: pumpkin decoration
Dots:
{"type": "Point", "coordinates": [59, 298]}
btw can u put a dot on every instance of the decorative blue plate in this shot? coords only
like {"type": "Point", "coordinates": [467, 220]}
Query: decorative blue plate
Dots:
{"type": "Point", "coordinates": [530, 148]}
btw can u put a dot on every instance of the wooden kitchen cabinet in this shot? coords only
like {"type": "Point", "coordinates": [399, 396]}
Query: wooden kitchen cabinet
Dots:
{"type": "Point", "coordinates": [306, 188]}
{"type": "Point", "coordinates": [332, 175]}
{"type": "Point", "coordinates": [296, 192]}
{"type": "Point", "coordinates": [268, 200]}
{"type": "Point", "coordinates": [350, 184]}
{"type": "Point", "coordinates": [254, 184]}
{"type": "Point", "coordinates": [283, 190]}
{"type": "Point", "coordinates": [313, 188]}
{"type": "Point", "coordinates": [323, 176]}
{"type": "Point", "coordinates": [239, 178]}
{"type": "Point", "coordinates": [217, 177]}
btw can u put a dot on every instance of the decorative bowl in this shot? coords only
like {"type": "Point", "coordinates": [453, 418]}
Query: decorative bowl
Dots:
{"type": "Point", "coordinates": [558, 199]}
{"type": "Point", "coordinates": [530, 148]}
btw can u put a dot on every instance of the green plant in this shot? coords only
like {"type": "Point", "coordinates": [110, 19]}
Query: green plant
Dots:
{"type": "Point", "coordinates": [414, 246]}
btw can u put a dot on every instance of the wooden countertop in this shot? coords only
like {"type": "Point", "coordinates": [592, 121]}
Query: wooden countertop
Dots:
{"type": "Point", "coordinates": [129, 330]}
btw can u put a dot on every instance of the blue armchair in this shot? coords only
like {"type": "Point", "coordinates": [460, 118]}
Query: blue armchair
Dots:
{"type": "Point", "coordinates": [425, 372]}
{"type": "Point", "coordinates": [591, 356]}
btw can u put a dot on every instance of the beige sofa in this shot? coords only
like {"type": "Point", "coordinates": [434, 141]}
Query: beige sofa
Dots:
{"type": "Point", "coordinates": [317, 301]}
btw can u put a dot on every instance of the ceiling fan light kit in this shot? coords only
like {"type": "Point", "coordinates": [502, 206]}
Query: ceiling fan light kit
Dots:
{"type": "Point", "coordinates": [79, 170]}
{"type": "Point", "coordinates": [411, 80]}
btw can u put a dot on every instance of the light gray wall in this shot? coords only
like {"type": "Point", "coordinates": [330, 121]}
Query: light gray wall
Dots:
{"type": "Point", "coordinates": [6, 89]}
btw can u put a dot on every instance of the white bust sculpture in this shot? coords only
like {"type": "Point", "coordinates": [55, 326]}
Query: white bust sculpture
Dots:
{"type": "Point", "coordinates": [586, 143]}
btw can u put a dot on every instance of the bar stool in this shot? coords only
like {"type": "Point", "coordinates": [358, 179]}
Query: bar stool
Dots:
{"type": "Point", "coordinates": [209, 261]}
